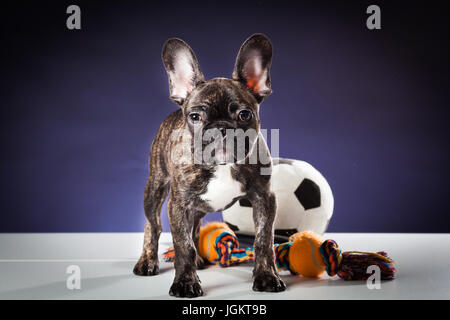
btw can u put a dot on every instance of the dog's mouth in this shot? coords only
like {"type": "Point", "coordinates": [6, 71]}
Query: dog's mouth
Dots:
{"type": "Point", "coordinates": [225, 151]}
{"type": "Point", "coordinates": [216, 151]}
{"type": "Point", "coordinates": [222, 156]}
{"type": "Point", "coordinates": [223, 144]}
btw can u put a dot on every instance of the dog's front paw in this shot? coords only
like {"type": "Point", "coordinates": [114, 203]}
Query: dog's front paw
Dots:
{"type": "Point", "coordinates": [146, 267]}
{"type": "Point", "coordinates": [268, 282]}
{"type": "Point", "coordinates": [186, 288]}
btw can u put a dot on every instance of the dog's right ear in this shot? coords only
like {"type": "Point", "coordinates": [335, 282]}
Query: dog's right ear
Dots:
{"type": "Point", "coordinates": [182, 69]}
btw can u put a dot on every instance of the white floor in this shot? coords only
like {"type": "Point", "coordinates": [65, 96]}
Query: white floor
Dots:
{"type": "Point", "coordinates": [33, 266]}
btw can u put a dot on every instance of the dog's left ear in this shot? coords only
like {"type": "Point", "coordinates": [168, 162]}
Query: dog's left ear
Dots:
{"type": "Point", "coordinates": [252, 66]}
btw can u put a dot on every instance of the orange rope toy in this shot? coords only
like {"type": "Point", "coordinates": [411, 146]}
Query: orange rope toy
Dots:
{"type": "Point", "coordinates": [305, 254]}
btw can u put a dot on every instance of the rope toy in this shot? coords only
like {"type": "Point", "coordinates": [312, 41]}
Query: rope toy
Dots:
{"type": "Point", "coordinates": [305, 254]}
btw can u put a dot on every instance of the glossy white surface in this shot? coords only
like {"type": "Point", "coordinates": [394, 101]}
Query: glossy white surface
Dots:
{"type": "Point", "coordinates": [33, 266]}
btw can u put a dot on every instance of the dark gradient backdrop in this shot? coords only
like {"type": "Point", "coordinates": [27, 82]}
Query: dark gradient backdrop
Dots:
{"type": "Point", "coordinates": [369, 109]}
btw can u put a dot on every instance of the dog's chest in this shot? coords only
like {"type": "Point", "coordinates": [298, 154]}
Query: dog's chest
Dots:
{"type": "Point", "coordinates": [222, 189]}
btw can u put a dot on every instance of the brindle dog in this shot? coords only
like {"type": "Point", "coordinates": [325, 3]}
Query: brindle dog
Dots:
{"type": "Point", "coordinates": [199, 188]}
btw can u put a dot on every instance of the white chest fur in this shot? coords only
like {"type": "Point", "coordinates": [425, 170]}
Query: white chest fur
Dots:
{"type": "Point", "coordinates": [222, 188]}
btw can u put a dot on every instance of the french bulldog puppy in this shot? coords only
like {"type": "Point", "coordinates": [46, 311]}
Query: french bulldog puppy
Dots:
{"type": "Point", "coordinates": [203, 173]}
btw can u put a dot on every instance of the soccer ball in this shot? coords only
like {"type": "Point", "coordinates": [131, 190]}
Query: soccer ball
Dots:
{"type": "Point", "coordinates": [304, 202]}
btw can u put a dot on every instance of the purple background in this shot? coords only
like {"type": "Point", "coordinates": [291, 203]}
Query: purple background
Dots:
{"type": "Point", "coordinates": [369, 109]}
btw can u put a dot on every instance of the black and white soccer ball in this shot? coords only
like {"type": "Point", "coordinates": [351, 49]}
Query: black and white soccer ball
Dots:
{"type": "Point", "coordinates": [304, 201]}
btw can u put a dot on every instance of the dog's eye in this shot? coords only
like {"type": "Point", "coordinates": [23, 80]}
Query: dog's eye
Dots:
{"type": "Point", "coordinates": [195, 117]}
{"type": "Point", "coordinates": [245, 115]}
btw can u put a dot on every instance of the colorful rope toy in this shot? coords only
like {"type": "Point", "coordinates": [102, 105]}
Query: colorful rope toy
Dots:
{"type": "Point", "coordinates": [305, 254]}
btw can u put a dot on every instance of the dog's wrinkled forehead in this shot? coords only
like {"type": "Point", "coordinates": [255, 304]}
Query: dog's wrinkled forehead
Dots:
{"type": "Point", "coordinates": [222, 93]}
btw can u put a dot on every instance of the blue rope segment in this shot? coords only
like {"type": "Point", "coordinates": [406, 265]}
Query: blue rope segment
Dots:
{"type": "Point", "coordinates": [282, 255]}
